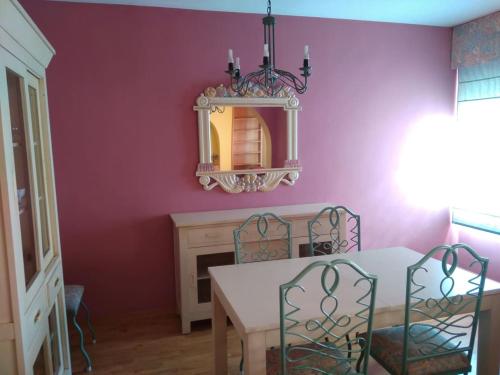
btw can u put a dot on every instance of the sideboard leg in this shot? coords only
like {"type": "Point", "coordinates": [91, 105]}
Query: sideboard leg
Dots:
{"type": "Point", "coordinates": [186, 326]}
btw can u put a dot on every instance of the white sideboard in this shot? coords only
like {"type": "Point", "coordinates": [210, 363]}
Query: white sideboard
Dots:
{"type": "Point", "coordinates": [205, 239]}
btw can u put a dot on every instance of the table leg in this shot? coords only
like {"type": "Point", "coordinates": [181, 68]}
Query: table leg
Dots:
{"type": "Point", "coordinates": [219, 336]}
{"type": "Point", "coordinates": [255, 353]}
{"type": "Point", "coordinates": [488, 354]}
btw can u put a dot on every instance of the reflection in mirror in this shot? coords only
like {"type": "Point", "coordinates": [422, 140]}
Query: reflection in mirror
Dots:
{"type": "Point", "coordinates": [245, 138]}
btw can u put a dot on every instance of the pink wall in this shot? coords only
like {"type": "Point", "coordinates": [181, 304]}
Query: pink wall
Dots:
{"type": "Point", "coordinates": [121, 90]}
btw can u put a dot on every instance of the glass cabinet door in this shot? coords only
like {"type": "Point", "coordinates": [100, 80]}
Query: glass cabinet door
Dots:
{"type": "Point", "coordinates": [40, 169]}
{"type": "Point", "coordinates": [21, 144]}
{"type": "Point", "coordinates": [55, 340]}
{"type": "Point", "coordinates": [41, 366]}
{"type": "Point", "coordinates": [31, 168]}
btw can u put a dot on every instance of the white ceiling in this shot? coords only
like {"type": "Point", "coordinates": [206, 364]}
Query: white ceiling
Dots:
{"type": "Point", "coordinates": [420, 12]}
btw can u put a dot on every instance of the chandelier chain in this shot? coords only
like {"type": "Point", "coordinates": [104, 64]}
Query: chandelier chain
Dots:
{"type": "Point", "coordinates": [268, 7]}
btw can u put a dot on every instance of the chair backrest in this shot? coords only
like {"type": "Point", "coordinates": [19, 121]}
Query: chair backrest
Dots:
{"type": "Point", "coordinates": [334, 230]}
{"type": "Point", "coordinates": [342, 307]}
{"type": "Point", "coordinates": [441, 312]}
{"type": "Point", "coordinates": [263, 237]}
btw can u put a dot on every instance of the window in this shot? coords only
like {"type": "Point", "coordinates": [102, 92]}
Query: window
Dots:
{"type": "Point", "coordinates": [477, 190]}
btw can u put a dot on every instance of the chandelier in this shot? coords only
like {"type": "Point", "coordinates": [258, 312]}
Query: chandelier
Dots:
{"type": "Point", "coordinates": [271, 80]}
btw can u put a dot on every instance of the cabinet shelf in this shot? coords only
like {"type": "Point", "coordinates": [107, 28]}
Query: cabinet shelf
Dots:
{"type": "Point", "coordinates": [247, 142]}
{"type": "Point", "coordinates": [203, 262]}
{"type": "Point", "coordinates": [203, 276]}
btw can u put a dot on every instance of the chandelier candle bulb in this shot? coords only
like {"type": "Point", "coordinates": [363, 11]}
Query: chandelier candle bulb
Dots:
{"type": "Point", "coordinates": [237, 63]}
{"type": "Point", "coordinates": [230, 58]}
{"type": "Point", "coordinates": [306, 52]}
{"type": "Point", "coordinates": [266, 50]}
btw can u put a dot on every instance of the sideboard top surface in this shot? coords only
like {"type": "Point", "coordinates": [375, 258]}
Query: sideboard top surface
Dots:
{"type": "Point", "coordinates": [190, 219]}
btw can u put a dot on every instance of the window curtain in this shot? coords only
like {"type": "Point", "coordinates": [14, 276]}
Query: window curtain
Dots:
{"type": "Point", "coordinates": [476, 55]}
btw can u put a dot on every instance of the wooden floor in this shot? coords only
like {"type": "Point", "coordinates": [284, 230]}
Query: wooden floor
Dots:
{"type": "Point", "coordinates": [152, 343]}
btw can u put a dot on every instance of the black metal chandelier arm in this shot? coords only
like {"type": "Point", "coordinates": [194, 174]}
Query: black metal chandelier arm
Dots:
{"type": "Point", "coordinates": [272, 82]}
{"type": "Point", "coordinates": [241, 84]}
{"type": "Point", "coordinates": [267, 80]}
{"type": "Point", "coordinates": [293, 81]}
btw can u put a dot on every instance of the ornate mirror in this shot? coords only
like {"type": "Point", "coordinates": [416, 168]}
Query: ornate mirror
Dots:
{"type": "Point", "coordinates": [247, 143]}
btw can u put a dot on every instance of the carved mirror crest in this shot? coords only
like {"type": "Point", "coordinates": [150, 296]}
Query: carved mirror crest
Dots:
{"type": "Point", "coordinates": [247, 144]}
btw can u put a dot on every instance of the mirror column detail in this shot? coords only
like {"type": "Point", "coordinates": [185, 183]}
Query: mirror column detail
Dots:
{"type": "Point", "coordinates": [33, 328]}
{"type": "Point", "coordinates": [204, 147]}
{"type": "Point", "coordinates": [292, 131]}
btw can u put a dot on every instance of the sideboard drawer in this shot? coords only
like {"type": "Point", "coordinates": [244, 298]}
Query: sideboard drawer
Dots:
{"type": "Point", "coordinates": [210, 236]}
{"type": "Point", "coordinates": [223, 235]}
{"type": "Point", "coordinates": [300, 228]}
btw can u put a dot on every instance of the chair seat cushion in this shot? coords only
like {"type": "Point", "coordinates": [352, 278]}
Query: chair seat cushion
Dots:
{"type": "Point", "coordinates": [387, 349]}
{"type": "Point", "coordinates": [73, 295]}
{"type": "Point", "coordinates": [333, 363]}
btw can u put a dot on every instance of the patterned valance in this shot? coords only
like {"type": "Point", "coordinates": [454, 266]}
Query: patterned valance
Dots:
{"type": "Point", "coordinates": [476, 42]}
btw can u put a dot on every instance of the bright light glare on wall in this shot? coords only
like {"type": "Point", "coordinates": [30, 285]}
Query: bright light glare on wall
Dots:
{"type": "Point", "coordinates": [426, 159]}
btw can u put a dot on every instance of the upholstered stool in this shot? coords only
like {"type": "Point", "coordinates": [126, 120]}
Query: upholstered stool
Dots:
{"type": "Point", "coordinates": [73, 295]}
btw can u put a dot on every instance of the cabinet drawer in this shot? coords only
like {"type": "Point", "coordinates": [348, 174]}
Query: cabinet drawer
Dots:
{"type": "Point", "coordinates": [211, 236]}
{"type": "Point", "coordinates": [34, 319]}
{"type": "Point", "coordinates": [300, 228]}
{"type": "Point", "coordinates": [224, 234]}
{"type": "Point", "coordinates": [54, 284]}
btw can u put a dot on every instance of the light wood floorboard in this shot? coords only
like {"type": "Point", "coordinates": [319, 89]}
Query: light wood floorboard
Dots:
{"type": "Point", "coordinates": [152, 343]}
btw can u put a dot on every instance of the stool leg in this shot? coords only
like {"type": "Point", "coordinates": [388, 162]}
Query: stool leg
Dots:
{"type": "Point", "coordinates": [91, 328]}
{"type": "Point", "coordinates": [242, 361]}
{"type": "Point", "coordinates": [82, 348]}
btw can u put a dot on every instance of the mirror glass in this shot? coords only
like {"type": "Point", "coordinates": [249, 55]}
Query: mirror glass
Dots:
{"type": "Point", "coordinates": [248, 138]}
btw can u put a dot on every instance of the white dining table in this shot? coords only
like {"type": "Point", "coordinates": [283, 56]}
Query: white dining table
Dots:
{"type": "Point", "coordinates": [248, 295]}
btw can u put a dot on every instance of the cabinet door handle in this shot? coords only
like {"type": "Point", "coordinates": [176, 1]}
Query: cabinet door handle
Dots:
{"type": "Point", "coordinates": [212, 235]}
{"type": "Point", "coordinates": [56, 282]}
{"type": "Point", "coordinates": [37, 316]}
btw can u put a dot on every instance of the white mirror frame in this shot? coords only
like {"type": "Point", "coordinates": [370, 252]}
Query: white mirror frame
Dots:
{"type": "Point", "coordinates": [250, 180]}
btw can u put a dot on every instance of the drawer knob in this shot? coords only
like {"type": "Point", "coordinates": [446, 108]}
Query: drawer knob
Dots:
{"type": "Point", "coordinates": [37, 316]}
{"type": "Point", "coordinates": [211, 235]}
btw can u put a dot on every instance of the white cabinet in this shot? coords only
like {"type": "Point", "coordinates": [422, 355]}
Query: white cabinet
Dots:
{"type": "Point", "coordinates": [205, 239]}
{"type": "Point", "coordinates": [33, 333]}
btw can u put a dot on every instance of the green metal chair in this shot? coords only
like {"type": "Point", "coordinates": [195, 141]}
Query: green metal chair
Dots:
{"type": "Point", "coordinates": [74, 299]}
{"type": "Point", "coordinates": [329, 239]}
{"type": "Point", "coordinates": [262, 237]}
{"type": "Point", "coordinates": [438, 317]}
{"type": "Point", "coordinates": [327, 344]}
